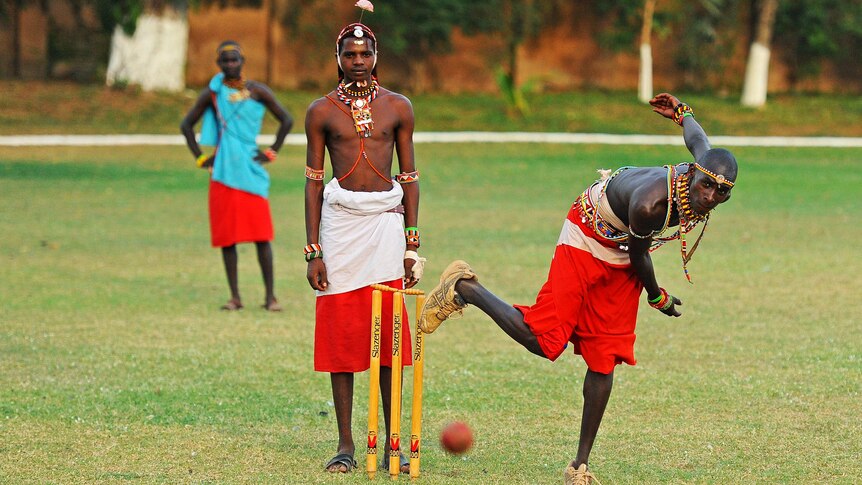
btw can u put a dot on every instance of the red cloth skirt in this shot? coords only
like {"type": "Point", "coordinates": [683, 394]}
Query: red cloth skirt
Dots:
{"type": "Point", "coordinates": [237, 216]}
{"type": "Point", "coordinates": [342, 337]}
{"type": "Point", "coordinates": [590, 303]}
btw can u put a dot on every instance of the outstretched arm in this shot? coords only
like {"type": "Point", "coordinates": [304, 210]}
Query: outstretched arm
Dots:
{"type": "Point", "coordinates": [695, 138]}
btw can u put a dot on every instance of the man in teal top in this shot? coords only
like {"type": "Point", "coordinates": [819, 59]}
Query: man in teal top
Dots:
{"type": "Point", "coordinates": [232, 109]}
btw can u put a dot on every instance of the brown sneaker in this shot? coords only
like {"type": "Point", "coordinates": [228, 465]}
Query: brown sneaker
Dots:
{"type": "Point", "coordinates": [579, 476]}
{"type": "Point", "coordinates": [442, 301]}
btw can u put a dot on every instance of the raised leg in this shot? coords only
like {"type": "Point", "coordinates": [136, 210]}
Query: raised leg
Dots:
{"type": "Point", "coordinates": [507, 317]}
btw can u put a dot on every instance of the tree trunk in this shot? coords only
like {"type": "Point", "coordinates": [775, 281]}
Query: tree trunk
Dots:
{"type": "Point", "coordinates": [269, 8]}
{"type": "Point", "coordinates": [645, 77]}
{"type": "Point", "coordinates": [757, 69]}
{"type": "Point", "coordinates": [15, 18]}
{"type": "Point", "coordinates": [154, 58]}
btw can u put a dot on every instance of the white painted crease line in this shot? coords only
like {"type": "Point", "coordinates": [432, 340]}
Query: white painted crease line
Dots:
{"type": "Point", "coordinates": [456, 137]}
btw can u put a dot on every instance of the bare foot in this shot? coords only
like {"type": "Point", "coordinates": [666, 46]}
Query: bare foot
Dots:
{"type": "Point", "coordinates": [272, 306]}
{"type": "Point", "coordinates": [232, 305]}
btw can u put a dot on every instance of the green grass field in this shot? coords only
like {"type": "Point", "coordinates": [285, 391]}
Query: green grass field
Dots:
{"type": "Point", "coordinates": [116, 365]}
{"type": "Point", "coordinates": [64, 108]}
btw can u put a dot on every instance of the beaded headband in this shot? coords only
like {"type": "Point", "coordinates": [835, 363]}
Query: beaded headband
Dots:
{"type": "Point", "coordinates": [359, 31]}
{"type": "Point", "coordinates": [229, 48]}
{"type": "Point", "coordinates": [719, 178]}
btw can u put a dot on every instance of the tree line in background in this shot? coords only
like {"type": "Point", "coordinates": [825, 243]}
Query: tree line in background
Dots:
{"type": "Point", "coordinates": [803, 33]}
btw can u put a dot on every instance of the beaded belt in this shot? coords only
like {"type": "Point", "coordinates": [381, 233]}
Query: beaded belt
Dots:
{"type": "Point", "coordinates": [589, 216]}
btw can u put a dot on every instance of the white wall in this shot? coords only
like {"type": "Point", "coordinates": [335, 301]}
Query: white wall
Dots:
{"type": "Point", "coordinates": [154, 58]}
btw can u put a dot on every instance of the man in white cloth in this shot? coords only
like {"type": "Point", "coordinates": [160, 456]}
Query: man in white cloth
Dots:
{"type": "Point", "coordinates": [361, 227]}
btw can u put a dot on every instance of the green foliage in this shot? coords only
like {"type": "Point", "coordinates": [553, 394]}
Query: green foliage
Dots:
{"type": "Point", "coordinates": [123, 13]}
{"type": "Point", "coordinates": [415, 28]}
{"type": "Point", "coordinates": [513, 94]}
{"type": "Point", "coordinates": [810, 32]}
{"type": "Point", "coordinates": [623, 20]}
{"type": "Point", "coordinates": [703, 47]}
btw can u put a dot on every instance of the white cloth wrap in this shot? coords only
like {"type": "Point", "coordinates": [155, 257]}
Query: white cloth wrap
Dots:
{"type": "Point", "coordinates": [362, 243]}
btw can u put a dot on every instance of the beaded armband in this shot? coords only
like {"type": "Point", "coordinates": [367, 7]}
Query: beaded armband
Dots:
{"type": "Point", "coordinates": [313, 174]}
{"type": "Point", "coordinates": [201, 160]}
{"type": "Point", "coordinates": [312, 251]}
{"type": "Point", "coordinates": [411, 234]}
{"type": "Point", "coordinates": [270, 154]}
{"type": "Point", "coordinates": [663, 302]}
{"type": "Point", "coordinates": [680, 112]}
{"type": "Point", "coordinates": [407, 177]}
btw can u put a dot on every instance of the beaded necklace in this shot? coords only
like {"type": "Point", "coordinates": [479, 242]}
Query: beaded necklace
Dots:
{"type": "Point", "coordinates": [358, 94]}
{"type": "Point", "coordinates": [242, 91]}
{"type": "Point", "coordinates": [688, 219]}
{"type": "Point", "coordinates": [360, 106]}
{"type": "Point", "coordinates": [360, 112]}
{"type": "Point", "coordinates": [238, 83]}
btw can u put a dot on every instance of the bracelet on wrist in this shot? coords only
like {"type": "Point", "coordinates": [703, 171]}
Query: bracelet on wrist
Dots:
{"type": "Point", "coordinates": [680, 112]}
{"type": "Point", "coordinates": [312, 251]}
{"type": "Point", "coordinates": [663, 302]}
{"type": "Point", "coordinates": [201, 160]}
{"type": "Point", "coordinates": [411, 235]}
{"type": "Point", "coordinates": [270, 154]}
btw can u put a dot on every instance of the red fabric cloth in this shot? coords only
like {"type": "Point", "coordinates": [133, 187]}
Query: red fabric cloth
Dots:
{"type": "Point", "coordinates": [237, 216]}
{"type": "Point", "coordinates": [342, 337]}
{"type": "Point", "coordinates": [587, 302]}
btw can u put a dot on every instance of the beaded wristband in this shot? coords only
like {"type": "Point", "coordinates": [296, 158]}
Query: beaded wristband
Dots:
{"type": "Point", "coordinates": [680, 112]}
{"type": "Point", "coordinates": [312, 251]}
{"type": "Point", "coordinates": [201, 160]}
{"type": "Point", "coordinates": [313, 174]}
{"type": "Point", "coordinates": [270, 154]}
{"type": "Point", "coordinates": [407, 177]}
{"type": "Point", "coordinates": [411, 234]}
{"type": "Point", "coordinates": [663, 302]}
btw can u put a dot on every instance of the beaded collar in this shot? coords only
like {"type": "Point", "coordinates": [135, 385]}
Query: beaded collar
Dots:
{"type": "Point", "coordinates": [360, 107]}
{"type": "Point", "coordinates": [239, 85]}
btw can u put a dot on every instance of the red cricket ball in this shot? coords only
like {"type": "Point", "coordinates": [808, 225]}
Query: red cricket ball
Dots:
{"type": "Point", "coordinates": [456, 438]}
